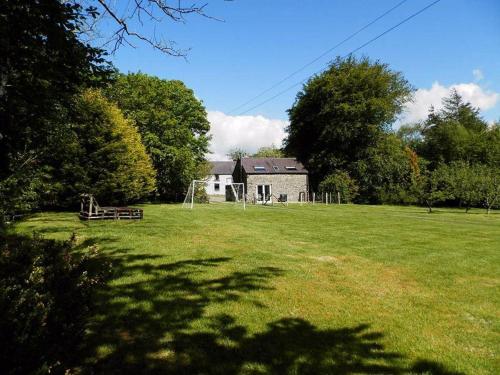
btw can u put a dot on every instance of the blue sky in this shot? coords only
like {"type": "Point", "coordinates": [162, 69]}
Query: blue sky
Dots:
{"type": "Point", "coordinates": [262, 41]}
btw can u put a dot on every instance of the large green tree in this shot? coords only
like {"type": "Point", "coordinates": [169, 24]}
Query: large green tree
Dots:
{"type": "Point", "coordinates": [456, 133]}
{"type": "Point", "coordinates": [103, 155]}
{"type": "Point", "coordinates": [173, 124]}
{"type": "Point", "coordinates": [386, 172]}
{"type": "Point", "coordinates": [43, 64]}
{"type": "Point", "coordinates": [343, 112]}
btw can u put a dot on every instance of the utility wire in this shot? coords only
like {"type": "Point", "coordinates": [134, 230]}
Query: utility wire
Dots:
{"type": "Point", "coordinates": [350, 53]}
{"type": "Point", "coordinates": [319, 57]}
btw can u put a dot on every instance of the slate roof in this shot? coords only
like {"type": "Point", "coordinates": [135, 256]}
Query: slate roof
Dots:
{"type": "Point", "coordinates": [272, 166]}
{"type": "Point", "coordinates": [222, 167]}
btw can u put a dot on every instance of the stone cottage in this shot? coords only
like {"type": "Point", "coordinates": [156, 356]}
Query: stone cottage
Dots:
{"type": "Point", "coordinates": [272, 178]}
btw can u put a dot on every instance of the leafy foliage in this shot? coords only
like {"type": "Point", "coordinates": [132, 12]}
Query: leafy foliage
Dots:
{"type": "Point", "coordinates": [173, 125]}
{"type": "Point", "coordinates": [269, 152]}
{"type": "Point", "coordinates": [432, 186]}
{"type": "Point", "coordinates": [465, 183]}
{"type": "Point", "coordinates": [103, 155]}
{"type": "Point", "coordinates": [340, 182]}
{"type": "Point", "coordinates": [237, 153]}
{"type": "Point", "coordinates": [462, 154]}
{"type": "Point", "coordinates": [386, 172]}
{"type": "Point", "coordinates": [342, 113]}
{"type": "Point", "coordinates": [489, 147]}
{"type": "Point", "coordinates": [489, 188]}
{"type": "Point", "coordinates": [43, 65]}
{"type": "Point", "coordinates": [46, 292]}
{"type": "Point", "coordinates": [410, 135]}
{"type": "Point", "coordinates": [455, 133]}
{"type": "Point", "coordinates": [19, 192]}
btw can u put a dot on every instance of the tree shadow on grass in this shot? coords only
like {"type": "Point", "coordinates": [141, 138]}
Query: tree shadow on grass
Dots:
{"type": "Point", "coordinates": [154, 318]}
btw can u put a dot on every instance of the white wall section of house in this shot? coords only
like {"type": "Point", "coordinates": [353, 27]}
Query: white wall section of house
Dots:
{"type": "Point", "coordinates": [217, 184]}
{"type": "Point", "coordinates": [221, 175]}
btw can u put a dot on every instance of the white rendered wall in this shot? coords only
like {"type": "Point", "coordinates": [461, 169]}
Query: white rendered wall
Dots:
{"type": "Point", "coordinates": [224, 179]}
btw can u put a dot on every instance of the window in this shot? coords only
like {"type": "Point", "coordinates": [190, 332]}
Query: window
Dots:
{"type": "Point", "coordinates": [259, 168]}
{"type": "Point", "coordinates": [216, 177]}
{"type": "Point", "coordinates": [276, 168]}
{"type": "Point", "coordinates": [217, 187]}
{"type": "Point", "coordinates": [291, 168]}
{"type": "Point", "coordinates": [263, 193]}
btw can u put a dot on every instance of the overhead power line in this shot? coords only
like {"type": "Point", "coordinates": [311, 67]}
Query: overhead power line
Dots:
{"type": "Point", "coordinates": [328, 51]}
{"type": "Point", "coordinates": [350, 53]}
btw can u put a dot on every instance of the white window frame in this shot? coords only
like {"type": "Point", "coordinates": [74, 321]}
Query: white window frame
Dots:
{"type": "Point", "coordinates": [263, 201]}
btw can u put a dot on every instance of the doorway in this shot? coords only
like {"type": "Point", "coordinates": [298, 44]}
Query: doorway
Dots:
{"type": "Point", "coordinates": [263, 193]}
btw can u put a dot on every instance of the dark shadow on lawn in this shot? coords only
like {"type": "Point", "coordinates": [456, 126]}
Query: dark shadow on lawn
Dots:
{"type": "Point", "coordinates": [148, 319]}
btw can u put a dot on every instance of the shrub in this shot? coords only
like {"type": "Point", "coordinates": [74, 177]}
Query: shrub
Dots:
{"type": "Point", "coordinates": [46, 290]}
{"type": "Point", "coordinates": [340, 182]}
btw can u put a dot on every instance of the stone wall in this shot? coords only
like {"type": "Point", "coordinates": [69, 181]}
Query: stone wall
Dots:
{"type": "Point", "coordinates": [290, 184]}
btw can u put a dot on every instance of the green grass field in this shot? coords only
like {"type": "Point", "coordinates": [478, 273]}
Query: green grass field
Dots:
{"type": "Point", "coordinates": [299, 290]}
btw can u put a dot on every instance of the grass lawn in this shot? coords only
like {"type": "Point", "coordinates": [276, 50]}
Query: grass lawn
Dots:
{"type": "Point", "coordinates": [299, 290]}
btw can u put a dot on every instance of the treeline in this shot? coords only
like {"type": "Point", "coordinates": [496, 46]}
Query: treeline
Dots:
{"type": "Point", "coordinates": [133, 137]}
{"type": "Point", "coordinates": [341, 129]}
{"type": "Point", "coordinates": [70, 124]}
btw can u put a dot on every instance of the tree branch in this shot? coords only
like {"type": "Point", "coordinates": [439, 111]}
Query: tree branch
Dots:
{"type": "Point", "coordinates": [151, 9]}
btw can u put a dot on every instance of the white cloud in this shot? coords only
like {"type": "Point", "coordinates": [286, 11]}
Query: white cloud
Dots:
{"type": "Point", "coordinates": [246, 132]}
{"type": "Point", "coordinates": [424, 98]}
{"type": "Point", "coordinates": [478, 75]}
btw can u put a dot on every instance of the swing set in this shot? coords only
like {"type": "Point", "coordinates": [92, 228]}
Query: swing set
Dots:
{"type": "Point", "coordinates": [90, 210]}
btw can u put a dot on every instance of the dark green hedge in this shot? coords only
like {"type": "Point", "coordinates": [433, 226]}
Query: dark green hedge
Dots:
{"type": "Point", "coordinates": [46, 292]}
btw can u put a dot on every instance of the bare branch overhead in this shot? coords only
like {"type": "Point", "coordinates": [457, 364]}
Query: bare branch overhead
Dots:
{"type": "Point", "coordinates": [140, 12]}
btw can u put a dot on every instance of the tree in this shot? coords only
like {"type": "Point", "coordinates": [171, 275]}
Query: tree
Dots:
{"type": "Point", "coordinates": [19, 190]}
{"type": "Point", "coordinates": [489, 186]}
{"type": "Point", "coordinates": [341, 113]}
{"type": "Point", "coordinates": [340, 183]}
{"type": "Point", "coordinates": [173, 125]}
{"type": "Point", "coordinates": [411, 135]}
{"type": "Point", "coordinates": [490, 146]}
{"type": "Point", "coordinates": [104, 156]}
{"type": "Point", "coordinates": [43, 64]}
{"type": "Point", "coordinates": [454, 133]}
{"type": "Point", "coordinates": [237, 153]}
{"type": "Point", "coordinates": [269, 152]}
{"type": "Point", "coordinates": [491, 190]}
{"type": "Point", "coordinates": [465, 183]}
{"type": "Point", "coordinates": [386, 172]}
{"type": "Point", "coordinates": [125, 24]}
{"type": "Point", "coordinates": [432, 186]}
